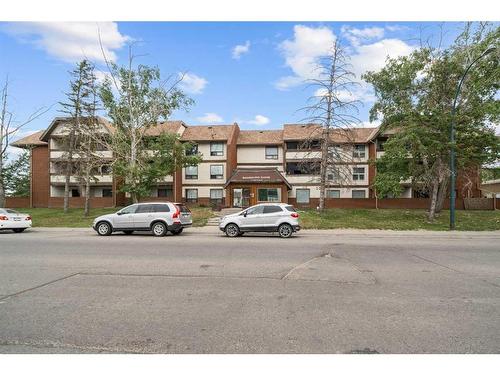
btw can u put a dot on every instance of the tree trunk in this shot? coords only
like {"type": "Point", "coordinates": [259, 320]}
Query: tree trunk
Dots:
{"type": "Point", "coordinates": [69, 167]}
{"type": "Point", "coordinates": [87, 193]}
{"type": "Point", "coordinates": [442, 194]}
{"type": "Point", "coordinates": [323, 167]}
{"type": "Point", "coordinates": [2, 188]}
{"type": "Point", "coordinates": [434, 195]}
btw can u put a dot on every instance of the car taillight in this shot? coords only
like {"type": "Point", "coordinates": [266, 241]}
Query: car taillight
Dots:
{"type": "Point", "coordinates": [176, 213]}
{"type": "Point", "coordinates": [28, 218]}
{"type": "Point", "coordinates": [294, 214]}
{"type": "Point", "coordinates": [3, 217]}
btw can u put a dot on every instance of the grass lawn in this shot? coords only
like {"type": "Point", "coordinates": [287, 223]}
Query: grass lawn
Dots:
{"type": "Point", "coordinates": [397, 219]}
{"type": "Point", "coordinates": [54, 217]}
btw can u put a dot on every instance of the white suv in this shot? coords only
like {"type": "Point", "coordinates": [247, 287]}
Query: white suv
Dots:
{"type": "Point", "coordinates": [157, 217]}
{"type": "Point", "coordinates": [266, 217]}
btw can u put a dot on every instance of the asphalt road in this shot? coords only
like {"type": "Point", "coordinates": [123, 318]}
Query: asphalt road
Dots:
{"type": "Point", "coordinates": [70, 291]}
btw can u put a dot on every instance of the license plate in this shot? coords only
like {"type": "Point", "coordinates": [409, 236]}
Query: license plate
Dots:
{"type": "Point", "coordinates": [17, 219]}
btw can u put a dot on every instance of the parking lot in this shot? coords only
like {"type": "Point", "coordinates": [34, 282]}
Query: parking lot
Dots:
{"type": "Point", "coordinates": [338, 291]}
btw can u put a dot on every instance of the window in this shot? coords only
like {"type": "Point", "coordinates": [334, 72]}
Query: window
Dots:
{"type": "Point", "coordinates": [216, 196]}
{"type": "Point", "coordinates": [268, 195]}
{"type": "Point", "coordinates": [333, 176]}
{"type": "Point", "coordinates": [129, 209]}
{"type": "Point", "coordinates": [302, 195]}
{"type": "Point", "coordinates": [292, 145]}
{"type": "Point", "coordinates": [254, 210]}
{"type": "Point", "coordinates": [271, 152]}
{"type": "Point", "coordinates": [144, 208]}
{"type": "Point", "coordinates": [359, 194]}
{"type": "Point", "coordinates": [380, 143]}
{"type": "Point", "coordinates": [302, 168]}
{"type": "Point", "coordinates": [216, 149]}
{"type": "Point", "coordinates": [160, 208]}
{"type": "Point", "coordinates": [217, 172]}
{"type": "Point", "coordinates": [192, 195]}
{"type": "Point", "coordinates": [191, 149]}
{"type": "Point", "coordinates": [106, 169]}
{"type": "Point", "coordinates": [192, 172]}
{"type": "Point", "coordinates": [358, 173]}
{"type": "Point", "coordinates": [330, 193]}
{"type": "Point", "coordinates": [359, 151]}
{"type": "Point", "coordinates": [107, 193]}
{"type": "Point", "coordinates": [272, 209]}
{"type": "Point", "coordinates": [75, 193]}
{"type": "Point", "coordinates": [165, 192]}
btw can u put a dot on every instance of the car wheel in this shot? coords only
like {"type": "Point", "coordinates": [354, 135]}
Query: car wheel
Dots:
{"type": "Point", "coordinates": [159, 229]}
{"type": "Point", "coordinates": [104, 229]}
{"type": "Point", "coordinates": [18, 230]}
{"type": "Point", "coordinates": [232, 230]}
{"type": "Point", "coordinates": [178, 231]}
{"type": "Point", "coordinates": [285, 230]}
{"type": "Point", "coordinates": [128, 231]}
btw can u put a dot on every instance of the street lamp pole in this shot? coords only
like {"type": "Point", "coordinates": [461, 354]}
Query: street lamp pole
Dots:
{"type": "Point", "coordinates": [453, 171]}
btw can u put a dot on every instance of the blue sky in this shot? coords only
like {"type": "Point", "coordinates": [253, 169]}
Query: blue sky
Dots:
{"type": "Point", "coordinates": [250, 73]}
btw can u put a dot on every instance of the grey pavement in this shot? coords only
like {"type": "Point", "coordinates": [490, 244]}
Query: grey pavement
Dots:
{"type": "Point", "coordinates": [338, 291]}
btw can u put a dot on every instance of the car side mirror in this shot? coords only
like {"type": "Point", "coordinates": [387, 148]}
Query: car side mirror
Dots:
{"type": "Point", "coordinates": [119, 213]}
{"type": "Point", "coordinates": [244, 214]}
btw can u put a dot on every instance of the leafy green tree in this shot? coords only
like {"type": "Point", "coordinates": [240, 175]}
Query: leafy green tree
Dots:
{"type": "Point", "coordinates": [136, 98]}
{"type": "Point", "coordinates": [414, 101]}
{"type": "Point", "coordinates": [16, 175]}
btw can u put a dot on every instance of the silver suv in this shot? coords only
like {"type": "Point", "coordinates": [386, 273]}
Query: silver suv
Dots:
{"type": "Point", "coordinates": [157, 217]}
{"type": "Point", "coordinates": [266, 217]}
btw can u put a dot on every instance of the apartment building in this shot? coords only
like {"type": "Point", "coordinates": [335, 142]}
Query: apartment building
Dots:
{"type": "Point", "coordinates": [239, 167]}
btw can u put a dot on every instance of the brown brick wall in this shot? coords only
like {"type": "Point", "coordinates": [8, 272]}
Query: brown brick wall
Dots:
{"type": "Point", "coordinates": [372, 156]}
{"type": "Point", "coordinates": [40, 190]}
{"type": "Point", "coordinates": [17, 202]}
{"type": "Point", "coordinates": [79, 202]}
{"type": "Point", "coordinates": [232, 154]}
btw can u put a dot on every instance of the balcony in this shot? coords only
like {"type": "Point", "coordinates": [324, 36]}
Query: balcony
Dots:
{"type": "Point", "coordinates": [62, 154]}
{"type": "Point", "coordinates": [100, 179]}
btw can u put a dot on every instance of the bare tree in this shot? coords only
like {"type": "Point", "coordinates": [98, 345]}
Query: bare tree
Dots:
{"type": "Point", "coordinates": [332, 110]}
{"type": "Point", "coordinates": [9, 126]}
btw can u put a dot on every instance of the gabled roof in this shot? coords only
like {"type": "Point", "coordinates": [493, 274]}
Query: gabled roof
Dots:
{"type": "Point", "coordinates": [260, 137]}
{"type": "Point", "coordinates": [209, 132]}
{"type": "Point", "coordinates": [258, 175]}
{"type": "Point", "coordinates": [300, 132]}
{"type": "Point", "coordinates": [30, 141]}
{"type": "Point", "coordinates": [46, 134]}
{"type": "Point", "coordinates": [165, 127]}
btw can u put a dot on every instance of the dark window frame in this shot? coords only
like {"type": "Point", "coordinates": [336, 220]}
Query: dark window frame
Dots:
{"type": "Point", "coordinates": [272, 156]}
{"type": "Point", "coordinates": [217, 176]}
{"type": "Point", "coordinates": [191, 200]}
{"type": "Point", "coordinates": [216, 152]}
{"type": "Point", "coordinates": [191, 176]}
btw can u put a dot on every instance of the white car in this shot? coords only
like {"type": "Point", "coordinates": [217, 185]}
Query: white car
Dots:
{"type": "Point", "coordinates": [157, 217]}
{"type": "Point", "coordinates": [265, 217]}
{"type": "Point", "coordinates": [11, 219]}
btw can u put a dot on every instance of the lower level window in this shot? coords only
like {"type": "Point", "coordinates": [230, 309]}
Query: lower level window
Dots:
{"type": "Point", "coordinates": [268, 195]}
{"type": "Point", "coordinates": [216, 196]}
{"type": "Point", "coordinates": [359, 194]}
{"type": "Point", "coordinates": [165, 192]}
{"type": "Point", "coordinates": [192, 195]}
{"type": "Point", "coordinates": [333, 193]}
{"type": "Point", "coordinates": [106, 193]}
{"type": "Point", "coordinates": [302, 195]}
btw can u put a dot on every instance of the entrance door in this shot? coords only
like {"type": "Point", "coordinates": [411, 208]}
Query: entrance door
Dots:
{"type": "Point", "coordinates": [241, 197]}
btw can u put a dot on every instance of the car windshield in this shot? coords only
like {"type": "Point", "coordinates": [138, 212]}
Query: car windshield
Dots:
{"type": "Point", "coordinates": [129, 209]}
{"type": "Point", "coordinates": [9, 211]}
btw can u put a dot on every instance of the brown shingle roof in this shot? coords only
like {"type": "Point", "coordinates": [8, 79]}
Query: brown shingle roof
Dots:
{"type": "Point", "coordinates": [208, 133]}
{"type": "Point", "coordinates": [298, 132]}
{"type": "Point", "coordinates": [165, 127]}
{"type": "Point", "coordinates": [30, 140]}
{"type": "Point", "coordinates": [260, 137]}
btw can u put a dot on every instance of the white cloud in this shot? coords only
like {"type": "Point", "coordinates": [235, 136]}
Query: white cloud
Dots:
{"type": "Point", "coordinates": [192, 84]}
{"type": "Point", "coordinates": [210, 118]}
{"type": "Point", "coordinates": [241, 49]}
{"type": "Point", "coordinates": [356, 36]}
{"type": "Point", "coordinates": [302, 52]}
{"type": "Point", "coordinates": [309, 44]}
{"type": "Point", "coordinates": [258, 120]}
{"type": "Point", "coordinates": [72, 41]}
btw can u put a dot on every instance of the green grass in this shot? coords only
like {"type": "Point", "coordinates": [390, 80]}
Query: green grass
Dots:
{"type": "Point", "coordinates": [55, 217]}
{"type": "Point", "coordinates": [397, 219]}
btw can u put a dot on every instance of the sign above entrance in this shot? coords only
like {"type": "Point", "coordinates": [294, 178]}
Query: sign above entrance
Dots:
{"type": "Point", "coordinates": [260, 175]}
